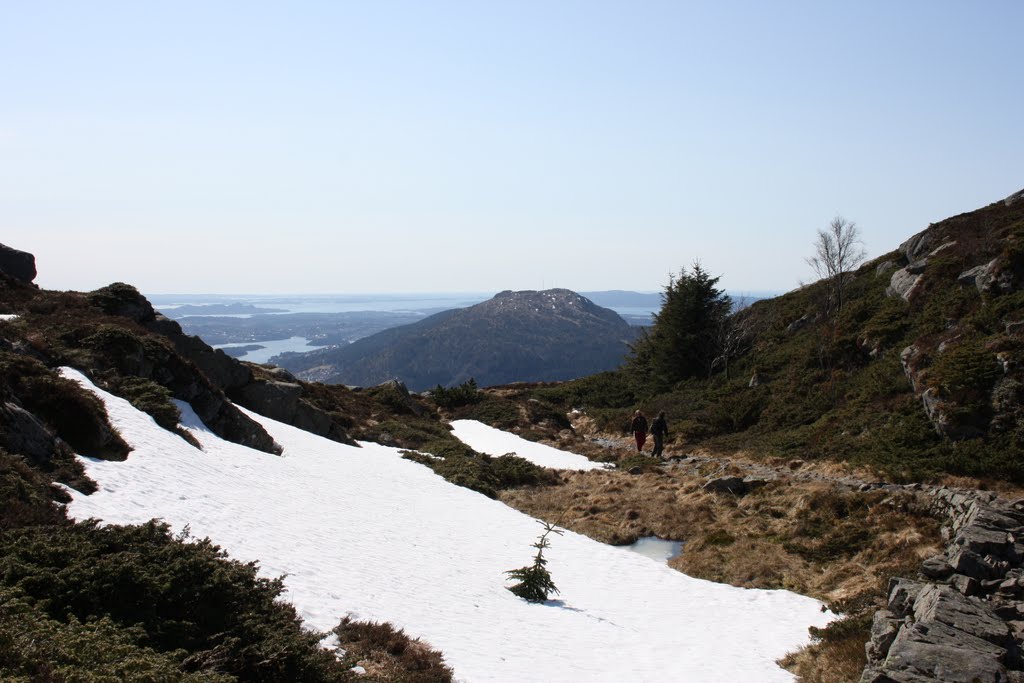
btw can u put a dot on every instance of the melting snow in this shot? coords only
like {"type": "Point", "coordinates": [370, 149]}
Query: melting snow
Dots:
{"type": "Point", "coordinates": [485, 439]}
{"type": "Point", "coordinates": [361, 531]}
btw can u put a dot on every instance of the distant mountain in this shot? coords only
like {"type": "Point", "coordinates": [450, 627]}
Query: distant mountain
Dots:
{"type": "Point", "coordinates": [548, 335]}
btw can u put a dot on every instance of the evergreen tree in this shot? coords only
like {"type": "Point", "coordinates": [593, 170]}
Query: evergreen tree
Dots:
{"type": "Point", "coordinates": [684, 339]}
{"type": "Point", "coordinates": [535, 582]}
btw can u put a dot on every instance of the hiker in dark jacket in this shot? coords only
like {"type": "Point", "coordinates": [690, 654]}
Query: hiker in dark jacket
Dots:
{"type": "Point", "coordinates": [659, 430]}
{"type": "Point", "coordinates": [639, 427]}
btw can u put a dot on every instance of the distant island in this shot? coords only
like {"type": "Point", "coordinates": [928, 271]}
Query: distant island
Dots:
{"type": "Point", "coordinates": [217, 309]}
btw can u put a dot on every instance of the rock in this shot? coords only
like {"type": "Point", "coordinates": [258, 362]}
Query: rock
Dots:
{"type": "Point", "coordinates": [936, 567]}
{"type": "Point", "coordinates": [945, 605]}
{"type": "Point", "coordinates": [755, 380]}
{"type": "Point", "coordinates": [971, 564]}
{"type": "Point", "coordinates": [1014, 198]}
{"type": "Point", "coordinates": [1015, 327]}
{"type": "Point", "coordinates": [942, 247]}
{"type": "Point", "coordinates": [884, 268]}
{"type": "Point", "coordinates": [902, 594]}
{"type": "Point", "coordinates": [21, 432]}
{"type": "Point", "coordinates": [982, 541]}
{"type": "Point", "coordinates": [970, 277]}
{"type": "Point", "coordinates": [902, 284]}
{"type": "Point", "coordinates": [937, 652]}
{"type": "Point", "coordinates": [965, 584]}
{"type": "Point", "coordinates": [915, 248]}
{"type": "Point", "coordinates": [884, 627]}
{"type": "Point", "coordinates": [20, 265]}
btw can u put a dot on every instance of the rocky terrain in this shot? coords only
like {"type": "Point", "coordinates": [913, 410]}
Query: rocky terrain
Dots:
{"type": "Point", "coordinates": [515, 336]}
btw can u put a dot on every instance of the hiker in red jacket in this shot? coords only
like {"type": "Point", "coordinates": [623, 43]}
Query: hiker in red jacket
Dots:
{"type": "Point", "coordinates": [639, 427]}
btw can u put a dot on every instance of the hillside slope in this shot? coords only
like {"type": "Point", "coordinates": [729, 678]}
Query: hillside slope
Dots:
{"type": "Point", "coordinates": [550, 335]}
{"type": "Point", "coordinates": [921, 373]}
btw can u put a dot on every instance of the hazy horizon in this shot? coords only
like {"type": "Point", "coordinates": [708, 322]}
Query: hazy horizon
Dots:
{"type": "Point", "coordinates": [401, 146]}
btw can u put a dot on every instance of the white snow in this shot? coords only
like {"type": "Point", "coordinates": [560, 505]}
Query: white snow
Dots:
{"type": "Point", "coordinates": [361, 531]}
{"type": "Point", "coordinates": [8, 316]}
{"type": "Point", "coordinates": [486, 439]}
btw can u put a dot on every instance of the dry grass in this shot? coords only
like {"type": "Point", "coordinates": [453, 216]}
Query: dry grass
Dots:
{"type": "Point", "coordinates": [389, 654]}
{"type": "Point", "coordinates": [804, 536]}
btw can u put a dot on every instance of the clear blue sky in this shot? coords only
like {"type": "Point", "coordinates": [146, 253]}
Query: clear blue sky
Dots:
{"type": "Point", "coordinates": [477, 146]}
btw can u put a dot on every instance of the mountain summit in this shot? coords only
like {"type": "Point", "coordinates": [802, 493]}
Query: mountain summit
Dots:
{"type": "Point", "coordinates": [547, 335]}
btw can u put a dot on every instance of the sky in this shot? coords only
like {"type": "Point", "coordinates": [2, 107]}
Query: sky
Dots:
{"type": "Point", "coordinates": [392, 146]}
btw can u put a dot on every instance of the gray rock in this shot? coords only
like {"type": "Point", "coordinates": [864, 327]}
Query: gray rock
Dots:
{"type": "Point", "coordinates": [965, 584]}
{"type": "Point", "coordinates": [22, 433]}
{"type": "Point", "coordinates": [983, 541]}
{"type": "Point", "coordinates": [945, 605]}
{"type": "Point", "coordinates": [936, 567]}
{"type": "Point", "coordinates": [1016, 327]}
{"type": "Point", "coordinates": [18, 264]}
{"type": "Point", "coordinates": [917, 267]}
{"type": "Point", "coordinates": [902, 594]}
{"type": "Point", "coordinates": [884, 627]}
{"type": "Point", "coordinates": [915, 248]}
{"type": "Point", "coordinates": [902, 284]}
{"type": "Point", "coordinates": [937, 652]}
{"type": "Point", "coordinates": [884, 268]}
{"type": "Point", "coordinates": [1002, 518]}
{"type": "Point", "coordinates": [971, 564]}
{"type": "Point", "coordinates": [1014, 198]}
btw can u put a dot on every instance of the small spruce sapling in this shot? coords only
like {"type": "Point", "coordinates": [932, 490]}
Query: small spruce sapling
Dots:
{"type": "Point", "coordinates": [535, 582]}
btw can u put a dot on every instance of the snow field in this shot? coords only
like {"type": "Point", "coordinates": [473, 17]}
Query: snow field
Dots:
{"type": "Point", "coordinates": [362, 532]}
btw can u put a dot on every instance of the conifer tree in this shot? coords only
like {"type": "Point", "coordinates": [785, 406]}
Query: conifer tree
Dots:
{"type": "Point", "coordinates": [684, 339]}
{"type": "Point", "coordinates": [535, 582]}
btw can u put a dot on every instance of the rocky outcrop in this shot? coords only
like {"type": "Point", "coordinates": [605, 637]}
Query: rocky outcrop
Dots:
{"type": "Point", "coordinates": [962, 620]}
{"type": "Point", "coordinates": [902, 283]}
{"type": "Point", "coordinates": [279, 400]}
{"type": "Point", "coordinates": [20, 265]}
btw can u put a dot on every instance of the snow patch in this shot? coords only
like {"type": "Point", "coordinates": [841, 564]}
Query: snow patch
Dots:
{"type": "Point", "coordinates": [485, 439]}
{"type": "Point", "coordinates": [361, 532]}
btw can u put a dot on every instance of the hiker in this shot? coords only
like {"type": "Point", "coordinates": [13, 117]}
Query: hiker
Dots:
{"type": "Point", "coordinates": [639, 427]}
{"type": "Point", "coordinates": [659, 430]}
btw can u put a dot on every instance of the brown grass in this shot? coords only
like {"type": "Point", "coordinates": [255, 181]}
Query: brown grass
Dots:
{"type": "Point", "coordinates": [389, 654]}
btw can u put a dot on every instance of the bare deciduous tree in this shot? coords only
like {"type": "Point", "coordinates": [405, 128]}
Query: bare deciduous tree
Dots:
{"type": "Point", "coordinates": [838, 250]}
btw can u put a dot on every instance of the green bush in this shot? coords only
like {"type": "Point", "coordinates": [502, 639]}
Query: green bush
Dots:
{"type": "Point", "coordinates": [182, 596]}
{"type": "Point", "coordinates": [36, 647]}
{"type": "Point", "coordinates": [496, 412]}
{"type": "Point", "coordinates": [149, 397]}
{"type": "Point", "coordinates": [463, 395]}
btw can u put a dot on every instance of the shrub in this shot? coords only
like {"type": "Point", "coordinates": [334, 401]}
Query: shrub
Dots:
{"type": "Point", "coordinates": [149, 397]}
{"type": "Point", "coordinates": [454, 397]}
{"type": "Point", "coordinates": [183, 596]}
{"type": "Point", "coordinates": [36, 647]}
{"type": "Point", "coordinates": [389, 654]}
{"type": "Point", "coordinates": [496, 412]}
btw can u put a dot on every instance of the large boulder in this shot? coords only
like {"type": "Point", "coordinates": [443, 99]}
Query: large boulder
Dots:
{"type": "Point", "coordinates": [20, 265]}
